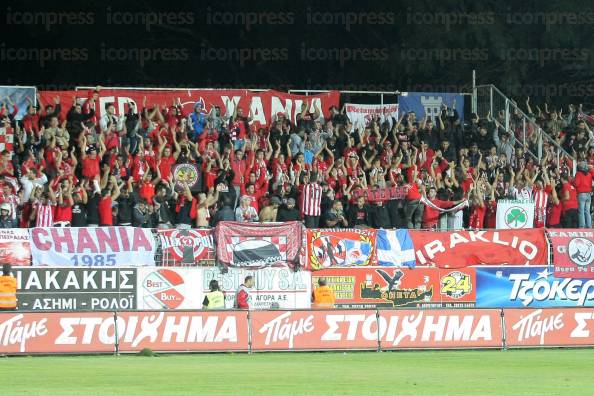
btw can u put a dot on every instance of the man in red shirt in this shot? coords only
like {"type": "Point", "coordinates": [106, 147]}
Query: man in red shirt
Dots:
{"type": "Point", "coordinates": [243, 299]}
{"type": "Point", "coordinates": [90, 162]}
{"type": "Point", "coordinates": [108, 195]}
{"type": "Point", "coordinates": [569, 202]}
{"type": "Point", "coordinates": [413, 209]}
{"type": "Point", "coordinates": [431, 215]}
{"type": "Point", "coordinates": [64, 203]}
{"type": "Point", "coordinates": [583, 186]}
{"type": "Point", "coordinates": [166, 159]}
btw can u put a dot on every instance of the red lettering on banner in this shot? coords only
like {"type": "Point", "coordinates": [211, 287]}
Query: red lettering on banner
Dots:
{"type": "Point", "coordinates": [125, 240]}
{"type": "Point", "coordinates": [139, 240]}
{"type": "Point", "coordinates": [65, 238]}
{"type": "Point", "coordinates": [36, 236]}
{"type": "Point", "coordinates": [106, 236]}
{"type": "Point", "coordinates": [85, 242]}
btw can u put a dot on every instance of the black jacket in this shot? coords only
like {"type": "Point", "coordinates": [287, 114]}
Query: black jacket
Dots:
{"type": "Point", "coordinates": [223, 214]}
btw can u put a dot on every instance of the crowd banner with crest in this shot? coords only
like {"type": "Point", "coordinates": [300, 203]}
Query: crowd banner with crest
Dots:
{"type": "Point", "coordinates": [573, 252]}
{"type": "Point", "coordinates": [254, 245]}
{"type": "Point", "coordinates": [186, 247]}
{"type": "Point", "coordinates": [341, 248]}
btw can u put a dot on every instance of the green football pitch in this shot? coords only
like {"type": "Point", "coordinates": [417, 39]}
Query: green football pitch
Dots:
{"type": "Point", "coordinates": [519, 372]}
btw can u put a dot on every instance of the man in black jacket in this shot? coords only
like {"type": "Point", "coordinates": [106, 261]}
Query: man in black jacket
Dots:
{"type": "Point", "coordinates": [225, 213]}
{"type": "Point", "coordinates": [288, 212]}
{"type": "Point", "coordinates": [75, 117]}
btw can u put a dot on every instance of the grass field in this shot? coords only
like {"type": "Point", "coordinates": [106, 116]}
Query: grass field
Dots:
{"type": "Point", "coordinates": [525, 372]}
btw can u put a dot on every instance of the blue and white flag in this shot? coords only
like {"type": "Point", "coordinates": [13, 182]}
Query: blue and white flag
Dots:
{"type": "Point", "coordinates": [430, 103]}
{"type": "Point", "coordinates": [395, 248]}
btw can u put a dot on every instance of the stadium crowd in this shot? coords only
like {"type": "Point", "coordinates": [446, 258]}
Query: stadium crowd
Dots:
{"type": "Point", "coordinates": [71, 167]}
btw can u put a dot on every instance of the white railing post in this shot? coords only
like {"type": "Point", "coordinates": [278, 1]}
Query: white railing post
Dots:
{"type": "Point", "coordinates": [491, 100]}
{"type": "Point", "coordinates": [474, 93]}
{"type": "Point", "coordinates": [506, 115]}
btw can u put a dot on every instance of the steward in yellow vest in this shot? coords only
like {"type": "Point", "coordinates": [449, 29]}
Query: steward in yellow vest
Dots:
{"type": "Point", "coordinates": [215, 299]}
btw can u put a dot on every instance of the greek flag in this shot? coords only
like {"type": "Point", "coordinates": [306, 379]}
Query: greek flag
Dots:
{"type": "Point", "coordinates": [395, 248]}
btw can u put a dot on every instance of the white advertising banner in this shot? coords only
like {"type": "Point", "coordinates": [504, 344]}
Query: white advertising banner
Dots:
{"type": "Point", "coordinates": [273, 287]}
{"type": "Point", "coordinates": [169, 288]}
{"type": "Point", "coordinates": [92, 247]}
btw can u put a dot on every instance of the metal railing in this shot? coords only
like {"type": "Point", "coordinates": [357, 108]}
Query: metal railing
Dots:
{"type": "Point", "coordinates": [487, 99]}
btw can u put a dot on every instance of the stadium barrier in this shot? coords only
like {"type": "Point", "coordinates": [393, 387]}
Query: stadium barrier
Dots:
{"type": "Point", "coordinates": [255, 331]}
{"type": "Point", "coordinates": [253, 246]}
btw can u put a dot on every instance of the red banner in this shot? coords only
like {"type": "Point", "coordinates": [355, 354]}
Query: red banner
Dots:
{"type": "Point", "coordinates": [340, 248]}
{"type": "Point", "coordinates": [183, 331]}
{"type": "Point", "coordinates": [84, 332]}
{"type": "Point", "coordinates": [263, 104]}
{"type": "Point", "coordinates": [358, 329]}
{"type": "Point", "coordinates": [459, 249]}
{"type": "Point", "coordinates": [253, 245]}
{"type": "Point", "coordinates": [186, 247]}
{"type": "Point", "coordinates": [381, 194]}
{"type": "Point", "coordinates": [573, 252]}
{"type": "Point", "coordinates": [472, 328]}
{"type": "Point", "coordinates": [400, 287]}
{"type": "Point", "coordinates": [549, 327]}
{"type": "Point", "coordinates": [60, 332]}
{"type": "Point", "coordinates": [314, 330]}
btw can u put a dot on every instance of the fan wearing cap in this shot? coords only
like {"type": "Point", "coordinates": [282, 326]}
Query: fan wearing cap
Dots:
{"type": "Point", "coordinates": [245, 212]}
{"type": "Point", "coordinates": [269, 212]}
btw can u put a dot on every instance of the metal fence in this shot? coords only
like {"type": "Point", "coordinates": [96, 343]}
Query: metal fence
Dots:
{"type": "Point", "coordinates": [488, 100]}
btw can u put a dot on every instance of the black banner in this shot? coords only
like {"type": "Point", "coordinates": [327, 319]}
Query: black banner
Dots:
{"type": "Point", "coordinates": [52, 289]}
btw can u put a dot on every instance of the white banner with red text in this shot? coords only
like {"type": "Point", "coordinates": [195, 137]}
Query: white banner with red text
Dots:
{"type": "Point", "coordinates": [92, 246]}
